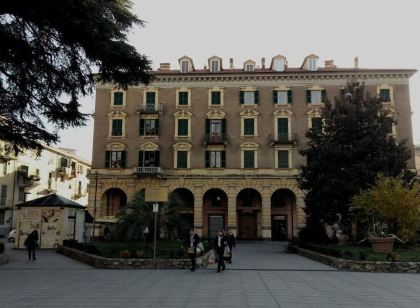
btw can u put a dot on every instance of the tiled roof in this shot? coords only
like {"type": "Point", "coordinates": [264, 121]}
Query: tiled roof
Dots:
{"type": "Point", "coordinates": [51, 200]}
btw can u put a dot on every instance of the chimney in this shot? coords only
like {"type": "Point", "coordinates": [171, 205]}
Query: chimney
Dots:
{"type": "Point", "coordinates": [263, 63]}
{"type": "Point", "coordinates": [165, 67]}
{"type": "Point", "coordinates": [329, 64]}
{"type": "Point", "coordinates": [231, 63]}
{"type": "Point", "coordinates": [356, 62]}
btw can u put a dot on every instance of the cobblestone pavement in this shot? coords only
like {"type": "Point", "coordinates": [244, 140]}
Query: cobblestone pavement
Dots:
{"type": "Point", "coordinates": [273, 279]}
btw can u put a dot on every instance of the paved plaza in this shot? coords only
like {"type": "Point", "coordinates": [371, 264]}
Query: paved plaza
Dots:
{"type": "Point", "coordinates": [260, 276]}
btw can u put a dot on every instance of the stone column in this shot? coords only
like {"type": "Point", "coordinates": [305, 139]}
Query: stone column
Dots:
{"type": "Point", "coordinates": [232, 220]}
{"type": "Point", "coordinates": [300, 214]}
{"type": "Point", "coordinates": [266, 213]}
{"type": "Point", "coordinates": [198, 209]}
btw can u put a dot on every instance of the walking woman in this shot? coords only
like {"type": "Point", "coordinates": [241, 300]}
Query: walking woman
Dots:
{"type": "Point", "coordinates": [220, 244]}
{"type": "Point", "coordinates": [31, 243]}
{"type": "Point", "coordinates": [191, 244]}
{"type": "Point", "coordinates": [231, 242]}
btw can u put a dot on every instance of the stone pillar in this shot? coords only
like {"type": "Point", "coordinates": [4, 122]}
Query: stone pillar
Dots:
{"type": "Point", "coordinates": [198, 209]}
{"type": "Point", "coordinates": [266, 213]}
{"type": "Point", "coordinates": [232, 220]}
{"type": "Point", "coordinates": [300, 214]}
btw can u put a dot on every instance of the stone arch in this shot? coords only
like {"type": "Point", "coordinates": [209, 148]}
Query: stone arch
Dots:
{"type": "Point", "coordinates": [215, 211]}
{"type": "Point", "coordinates": [113, 202]}
{"type": "Point", "coordinates": [283, 214]}
{"type": "Point", "coordinates": [184, 200]}
{"type": "Point", "coordinates": [248, 206]}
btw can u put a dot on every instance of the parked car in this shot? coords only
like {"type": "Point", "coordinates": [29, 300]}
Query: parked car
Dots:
{"type": "Point", "coordinates": [11, 236]}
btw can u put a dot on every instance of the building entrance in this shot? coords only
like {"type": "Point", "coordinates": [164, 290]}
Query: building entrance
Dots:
{"type": "Point", "coordinates": [279, 228]}
{"type": "Point", "coordinates": [248, 226]}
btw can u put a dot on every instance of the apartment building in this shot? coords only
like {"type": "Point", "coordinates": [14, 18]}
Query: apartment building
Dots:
{"type": "Point", "coordinates": [27, 176]}
{"type": "Point", "coordinates": [226, 139]}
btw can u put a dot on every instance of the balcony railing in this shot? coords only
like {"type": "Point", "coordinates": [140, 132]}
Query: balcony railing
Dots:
{"type": "Point", "coordinates": [146, 170]}
{"type": "Point", "coordinates": [215, 139]}
{"type": "Point", "coordinates": [285, 139]}
{"type": "Point", "coordinates": [149, 109]}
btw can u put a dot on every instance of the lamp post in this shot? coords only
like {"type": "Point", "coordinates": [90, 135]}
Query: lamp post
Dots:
{"type": "Point", "coordinates": [94, 205]}
{"type": "Point", "coordinates": [156, 211]}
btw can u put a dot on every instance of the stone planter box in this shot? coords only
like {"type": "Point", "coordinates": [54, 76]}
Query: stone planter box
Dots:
{"type": "Point", "coordinates": [362, 266]}
{"type": "Point", "coordinates": [119, 263]}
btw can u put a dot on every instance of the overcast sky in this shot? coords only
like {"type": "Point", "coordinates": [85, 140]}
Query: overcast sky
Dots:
{"type": "Point", "coordinates": [383, 34]}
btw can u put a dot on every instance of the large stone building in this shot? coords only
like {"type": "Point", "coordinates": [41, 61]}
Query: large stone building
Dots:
{"type": "Point", "coordinates": [27, 176]}
{"type": "Point", "coordinates": [226, 139]}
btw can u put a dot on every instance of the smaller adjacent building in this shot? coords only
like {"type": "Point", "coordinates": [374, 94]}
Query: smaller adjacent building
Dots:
{"type": "Point", "coordinates": [54, 217]}
{"type": "Point", "coordinates": [29, 176]}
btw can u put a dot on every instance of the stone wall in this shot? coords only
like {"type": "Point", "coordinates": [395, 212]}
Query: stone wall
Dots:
{"type": "Point", "coordinates": [362, 266]}
{"type": "Point", "coordinates": [114, 263]}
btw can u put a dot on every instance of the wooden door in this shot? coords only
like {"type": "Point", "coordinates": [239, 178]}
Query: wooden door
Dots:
{"type": "Point", "coordinates": [248, 227]}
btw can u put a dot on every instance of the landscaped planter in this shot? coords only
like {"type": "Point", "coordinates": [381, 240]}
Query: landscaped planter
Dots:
{"type": "Point", "coordinates": [382, 244]}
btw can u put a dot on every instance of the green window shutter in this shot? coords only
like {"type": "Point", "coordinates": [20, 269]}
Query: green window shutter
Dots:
{"type": "Point", "coordinates": [283, 159]}
{"type": "Point", "coordinates": [123, 155]}
{"type": "Point", "coordinates": [249, 159]}
{"type": "Point", "coordinates": [248, 126]}
{"type": "Point", "coordinates": [141, 158]}
{"type": "Point", "coordinates": [117, 127]}
{"type": "Point", "coordinates": [118, 98]}
{"type": "Point", "coordinates": [107, 159]}
{"type": "Point", "coordinates": [207, 159]}
{"type": "Point", "coordinates": [150, 98]}
{"type": "Point", "coordinates": [223, 126]}
{"type": "Point", "coordinates": [323, 95]}
{"type": "Point", "coordinates": [207, 127]}
{"type": "Point", "coordinates": [63, 162]}
{"type": "Point", "coordinates": [215, 98]}
{"type": "Point", "coordinates": [183, 98]}
{"type": "Point", "coordinates": [141, 127]}
{"type": "Point", "coordinates": [223, 159]}
{"type": "Point", "coordinates": [182, 157]}
{"type": "Point", "coordinates": [283, 129]}
{"type": "Point", "coordinates": [275, 97]}
{"type": "Point", "coordinates": [256, 97]}
{"type": "Point", "coordinates": [289, 96]}
{"type": "Point", "coordinates": [182, 127]}
{"type": "Point", "coordinates": [308, 96]}
{"type": "Point", "coordinates": [157, 126]}
{"type": "Point", "coordinates": [241, 97]}
{"type": "Point", "coordinates": [157, 158]}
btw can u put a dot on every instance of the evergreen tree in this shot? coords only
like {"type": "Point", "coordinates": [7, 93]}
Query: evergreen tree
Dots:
{"type": "Point", "coordinates": [48, 50]}
{"type": "Point", "coordinates": [353, 147]}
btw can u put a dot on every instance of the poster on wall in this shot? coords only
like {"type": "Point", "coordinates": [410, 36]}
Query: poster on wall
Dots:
{"type": "Point", "coordinates": [51, 215]}
{"type": "Point", "coordinates": [51, 224]}
{"type": "Point", "coordinates": [26, 227]}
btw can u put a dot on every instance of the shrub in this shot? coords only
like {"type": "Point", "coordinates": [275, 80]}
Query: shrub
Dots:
{"type": "Point", "coordinates": [348, 254]}
{"type": "Point", "coordinates": [393, 257]}
{"type": "Point", "coordinates": [392, 203]}
{"type": "Point", "coordinates": [362, 256]}
{"type": "Point", "coordinates": [2, 247]}
{"type": "Point", "coordinates": [125, 253]}
{"type": "Point", "coordinates": [313, 234]}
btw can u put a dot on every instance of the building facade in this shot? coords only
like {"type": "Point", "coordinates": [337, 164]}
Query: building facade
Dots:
{"type": "Point", "coordinates": [226, 139]}
{"type": "Point", "coordinates": [28, 176]}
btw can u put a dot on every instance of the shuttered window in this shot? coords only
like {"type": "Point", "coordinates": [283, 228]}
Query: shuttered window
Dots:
{"type": "Point", "coordinates": [283, 159]}
{"type": "Point", "coordinates": [182, 127]}
{"type": "Point", "coordinates": [215, 159]}
{"type": "Point", "coordinates": [385, 95]}
{"type": "Point", "coordinates": [215, 98]}
{"type": "Point", "coordinates": [149, 127]}
{"type": "Point", "coordinates": [283, 129]}
{"type": "Point", "coordinates": [115, 159]}
{"type": "Point", "coordinates": [317, 125]}
{"type": "Point", "coordinates": [249, 159]}
{"type": "Point", "coordinates": [149, 159]}
{"type": "Point", "coordinates": [117, 127]}
{"type": "Point", "coordinates": [3, 198]}
{"type": "Point", "coordinates": [118, 98]}
{"type": "Point", "coordinates": [249, 129]}
{"type": "Point", "coordinates": [182, 159]}
{"type": "Point", "coordinates": [182, 98]}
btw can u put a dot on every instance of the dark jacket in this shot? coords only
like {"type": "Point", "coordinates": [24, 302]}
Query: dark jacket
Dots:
{"type": "Point", "coordinates": [196, 240]}
{"type": "Point", "coordinates": [220, 249]}
{"type": "Point", "coordinates": [31, 241]}
{"type": "Point", "coordinates": [231, 242]}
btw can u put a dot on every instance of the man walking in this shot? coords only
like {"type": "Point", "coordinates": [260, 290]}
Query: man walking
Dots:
{"type": "Point", "coordinates": [220, 244]}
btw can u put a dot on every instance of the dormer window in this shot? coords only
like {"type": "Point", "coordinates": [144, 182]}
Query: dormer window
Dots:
{"type": "Point", "coordinates": [249, 66]}
{"type": "Point", "coordinates": [184, 66]}
{"type": "Point", "coordinates": [215, 66]}
{"type": "Point", "coordinates": [278, 63]}
{"type": "Point", "coordinates": [312, 64]}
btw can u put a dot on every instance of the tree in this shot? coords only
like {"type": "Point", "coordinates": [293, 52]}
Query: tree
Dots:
{"type": "Point", "coordinates": [391, 202]}
{"type": "Point", "coordinates": [139, 215]}
{"type": "Point", "coordinates": [352, 149]}
{"type": "Point", "coordinates": [48, 51]}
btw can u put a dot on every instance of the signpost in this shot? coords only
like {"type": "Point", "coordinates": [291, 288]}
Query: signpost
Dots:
{"type": "Point", "coordinates": [156, 195]}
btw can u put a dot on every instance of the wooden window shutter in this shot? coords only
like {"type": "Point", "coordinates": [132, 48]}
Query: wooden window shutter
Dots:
{"type": "Point", "coordinates": [107, 159]}
{"type": "Point", "coordinates": [223, 158]}
{"type": "Point", "coordinates": [241, 97]}
{"type": "Point", "coordinates": [275, 98]}
{"type": "Point", "coordinates": [256, 97]}
{"type": "Point", "coordinates": [207, 126]}
{"type": "Point", "coordinates": [123, 156]}
{"type": "Point", "coordinates": [207, 159]}
{"type": "Point", "coordinates": [223, 126]}
{"type": "Point", "coordinates": [157, 158]}
{"type": "Point", "coordinates": [289, 96]}
{"type": "Point", "coordinates": [141, 127]}
{"type": "Point", "coordinates": [308, 96]}
{"type": "Point", "coordinates": [323, 95]}
{"type": "Point", "coordinates": [141, 158]}
{"type": "Point", "coordinates": [157, 126]}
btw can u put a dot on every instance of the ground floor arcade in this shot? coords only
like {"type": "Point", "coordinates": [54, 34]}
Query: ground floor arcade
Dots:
{"type": "Point", "coordinates": [253, 208]}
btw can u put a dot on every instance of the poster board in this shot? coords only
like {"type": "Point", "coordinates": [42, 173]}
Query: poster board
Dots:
{"type": "Point", "coordinates": [156, 194]}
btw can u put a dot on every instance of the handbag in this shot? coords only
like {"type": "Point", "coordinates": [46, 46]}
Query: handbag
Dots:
{"type": "Point", "coordinates": [212, 257]}
{"type": "Point", "coordinates": [190, 250]}
{"type": "Point", "coordinates": [226, 253]}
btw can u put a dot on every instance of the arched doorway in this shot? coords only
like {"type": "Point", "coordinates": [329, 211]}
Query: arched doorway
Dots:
{"type": "Point", "coordinates": [183, 199]}
{"type": "Point", "coordinates": [248, 206]}
{"type": "Point", "coordinates": [214, 211]}
{"type": "Point", "coordinates": [283, 213]}
{"type": "Point", "coordinates": [114, 201]}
